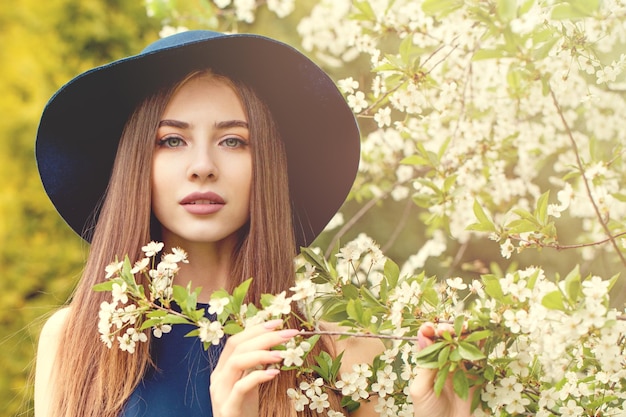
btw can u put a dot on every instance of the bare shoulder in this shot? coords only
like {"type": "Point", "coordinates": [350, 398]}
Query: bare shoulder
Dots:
{"type": "Point", "coordinates": [55, 324]}
{"type": "Point", "coordinates": [46, 353]}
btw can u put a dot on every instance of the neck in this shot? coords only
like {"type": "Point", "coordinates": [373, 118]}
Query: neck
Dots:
{"type": "Point", "coordinates": [209, 265]}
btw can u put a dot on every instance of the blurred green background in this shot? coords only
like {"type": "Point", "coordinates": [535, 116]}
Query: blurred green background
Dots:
{"type": "Point", "coordinates": [45, 44]}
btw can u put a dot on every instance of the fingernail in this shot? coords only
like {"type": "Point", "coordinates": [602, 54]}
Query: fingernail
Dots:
{"type": "Point", "coordinates": [421, 341]}
{"type": "Point", "coordinates": [272, 371]}
{"type": "Point", "coordinates": [288, 333]}
{"type": "Point", "coordinates": [272, 324]}
{"type": "Point", "coordinates": [278, 354]}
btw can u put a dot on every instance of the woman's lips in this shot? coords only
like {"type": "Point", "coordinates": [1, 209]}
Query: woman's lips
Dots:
{"type": "Point", "coordinates": [202, 203]}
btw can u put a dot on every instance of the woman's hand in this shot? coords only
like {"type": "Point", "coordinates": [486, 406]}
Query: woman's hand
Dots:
{"type": "Point", "coordinates": [425, 401]}
{"type": "Point", "coordinates": [241, 369]}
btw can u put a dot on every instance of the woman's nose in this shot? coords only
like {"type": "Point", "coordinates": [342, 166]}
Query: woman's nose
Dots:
{"type": "Point", "coordinates": [202, 166]}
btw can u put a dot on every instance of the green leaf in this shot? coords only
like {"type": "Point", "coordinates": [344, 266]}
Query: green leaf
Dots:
{"type": "Point", "coordinates": [324, 363]}
{"type": "Point", "coordinates": [542, 50]}
{"type": "Point", "coordinates": [149, 323]}
{"type": "Point", "coordinates": [514, 79]}
{"type": "Point", "coordinates": [443, 356]}
{"type": "Point", "coordinates": [460, 384]}
{"type": "Point", "coordinates": [521, 226]}
{"type": "Point", "coordinates": [483, 54]}
{"type": "Point", "coordinates": [554, 301]}
{"type": "Point", "coordinates": [620, 197]}
{"type": "Point", "coordinates": [266, 300]}
{"type": "Point", "coordinates": [532, 280]}
{"type": "Point", "coordinates": [392, 272]}
{"type": "Point", "coordinates": [542, 208]}
{"type": "Point", "coordinates": [525, 7]}
{"type": "Point", "coordinates": [469, 352]}
{"type": "Point", "coordinates": [416, 160]}
{"type": "Point", "coordinates": [180, 294]}
{"type": "Point", "coordinates": [156, 313]}
{"type": "Point", "coordinates": [369, 298]}
{"type": "Point", "coordinates": [350, 291]}
{"type": "Point", "coordinates": [386, 66]}
{"type": "Point", "coordinates": [459, 321]}
{"type": "Point", "coordinates": [103, 286]}
{"type": "Point", "coordinates": [336, 367]}
{"type": "Point", "coordinates": [366, 10]}
{"type": "Point", "coordinates": [575, 9]}
{"type": "Point", "coordinates": [354, 308]}
{"type": "Point", "coordinates": [406, 48]}
{"type": "Point", "coordinates": [441, 7]}
{"type": "Point", "coordinates": [240, 292]}
{"type": "Point", "coordinates": [478, 335]}
{"type": "Point", "coordinates": [493, 287]}
{"type": "Point", "coordinates": [506, 9]}
{"type": "Point", "coordinates": [485, 224]}
{"type": "Point", "coordinates": [430, 295]}
{"type": "Point", "coordinates": [127, 276]}
{"type": "Point", "coordinates": [449, 182]}
{"type": "Point", "coordinates": [489, 373]}
{"type": "Point", "coordinates": [232, 328]}
{"type": "Point", "coordinates": [613, 280]}
{"type": "Point", "coordinates": [349, 404]}
{"type": "Point", "coordinates": [526, 215]}
{"type": "Point", "coordinates": [440, 379]}
{"type": "Point", "coordinates": [319, 263]}
{"type": "Point", "coordinates": [366, 318]}
{"type": "Point", "coordinates": [573, 285]}
{"type": "Point", "coordinates": [175, 319]}
{"type": "Point", "coordinates": [334, 310]}
{"type": "Point", "coordinates": [429, 352]}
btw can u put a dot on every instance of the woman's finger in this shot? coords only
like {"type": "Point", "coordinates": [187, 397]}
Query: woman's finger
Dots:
{"type": "Point", "coordinates": [250, 333]}
{"type": "Point", "coordinates": [237, 377]}
{"type": "Point", "coordinates": [243, 399]}
{"type": "Point", "coordinates": [425, 335]}
{"type": "Point", "coordinates": [241, 363]}
{"type": "Point", "coordinates": [256, 339]}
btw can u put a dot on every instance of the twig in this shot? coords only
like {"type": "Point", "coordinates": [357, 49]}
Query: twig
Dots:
{"type": "Point", "coordinates": [364, 335]}
{"type": "Point", "coordinates": [611, 238]}
{"type": "Point", "coordinates": [564, 247]}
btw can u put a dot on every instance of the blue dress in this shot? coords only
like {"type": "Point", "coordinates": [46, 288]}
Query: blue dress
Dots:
{"type": "Point", "coordinates": [179, 386]}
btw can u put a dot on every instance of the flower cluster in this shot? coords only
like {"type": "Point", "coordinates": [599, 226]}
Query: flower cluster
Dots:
{"type": "Point", "coordinates": [537, 346]}
{"type": "Point", "coordinates": [121, 320]}
{"type": "Point", "coordinates": [496, 121]}
{"type": "Point", "coordinates": [133, 309]}
{"type": "Point", "coordinates": [311, 395]}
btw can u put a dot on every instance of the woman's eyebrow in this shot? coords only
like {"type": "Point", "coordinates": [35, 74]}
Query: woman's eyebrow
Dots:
{"type": "Point", "coordinates": [225, 124]}
{"type": "Point", "coordinates": [174, 123]}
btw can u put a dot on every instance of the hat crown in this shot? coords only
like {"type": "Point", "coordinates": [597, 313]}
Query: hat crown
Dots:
{"type": "Point", "coordinates": [179, 39]}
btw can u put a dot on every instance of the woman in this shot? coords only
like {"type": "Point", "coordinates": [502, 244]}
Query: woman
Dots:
{"type": "Point", "coordinates": [236, 148]}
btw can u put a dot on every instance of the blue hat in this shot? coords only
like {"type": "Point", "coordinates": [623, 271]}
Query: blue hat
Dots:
{"type": "Point", "coordinates": [81, 125]}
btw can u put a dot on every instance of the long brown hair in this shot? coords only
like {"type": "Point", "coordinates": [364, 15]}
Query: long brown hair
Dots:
{"type": "Point", "coordinates": [91, 380]}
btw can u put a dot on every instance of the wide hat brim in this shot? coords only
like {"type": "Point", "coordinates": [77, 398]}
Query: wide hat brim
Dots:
{"type": "Point", "coordinates": [81, 125]}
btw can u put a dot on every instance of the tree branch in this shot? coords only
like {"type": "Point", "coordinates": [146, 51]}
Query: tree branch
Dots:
{"type": "Point", "coordinates": [579, 163]}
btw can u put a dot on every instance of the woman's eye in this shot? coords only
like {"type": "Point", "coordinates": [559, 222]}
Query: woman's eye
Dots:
{"type": "Point", "coordinates": [233, 142]}
{"type": "Point", "coordinates": [171, 142]}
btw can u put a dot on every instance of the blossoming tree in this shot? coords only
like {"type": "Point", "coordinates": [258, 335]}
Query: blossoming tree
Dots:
{"type": "Point", "coordinates": [497, 119]}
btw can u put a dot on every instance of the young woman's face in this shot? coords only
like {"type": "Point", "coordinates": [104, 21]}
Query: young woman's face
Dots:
{"type": "Point", "coordinates": [202, 166]}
